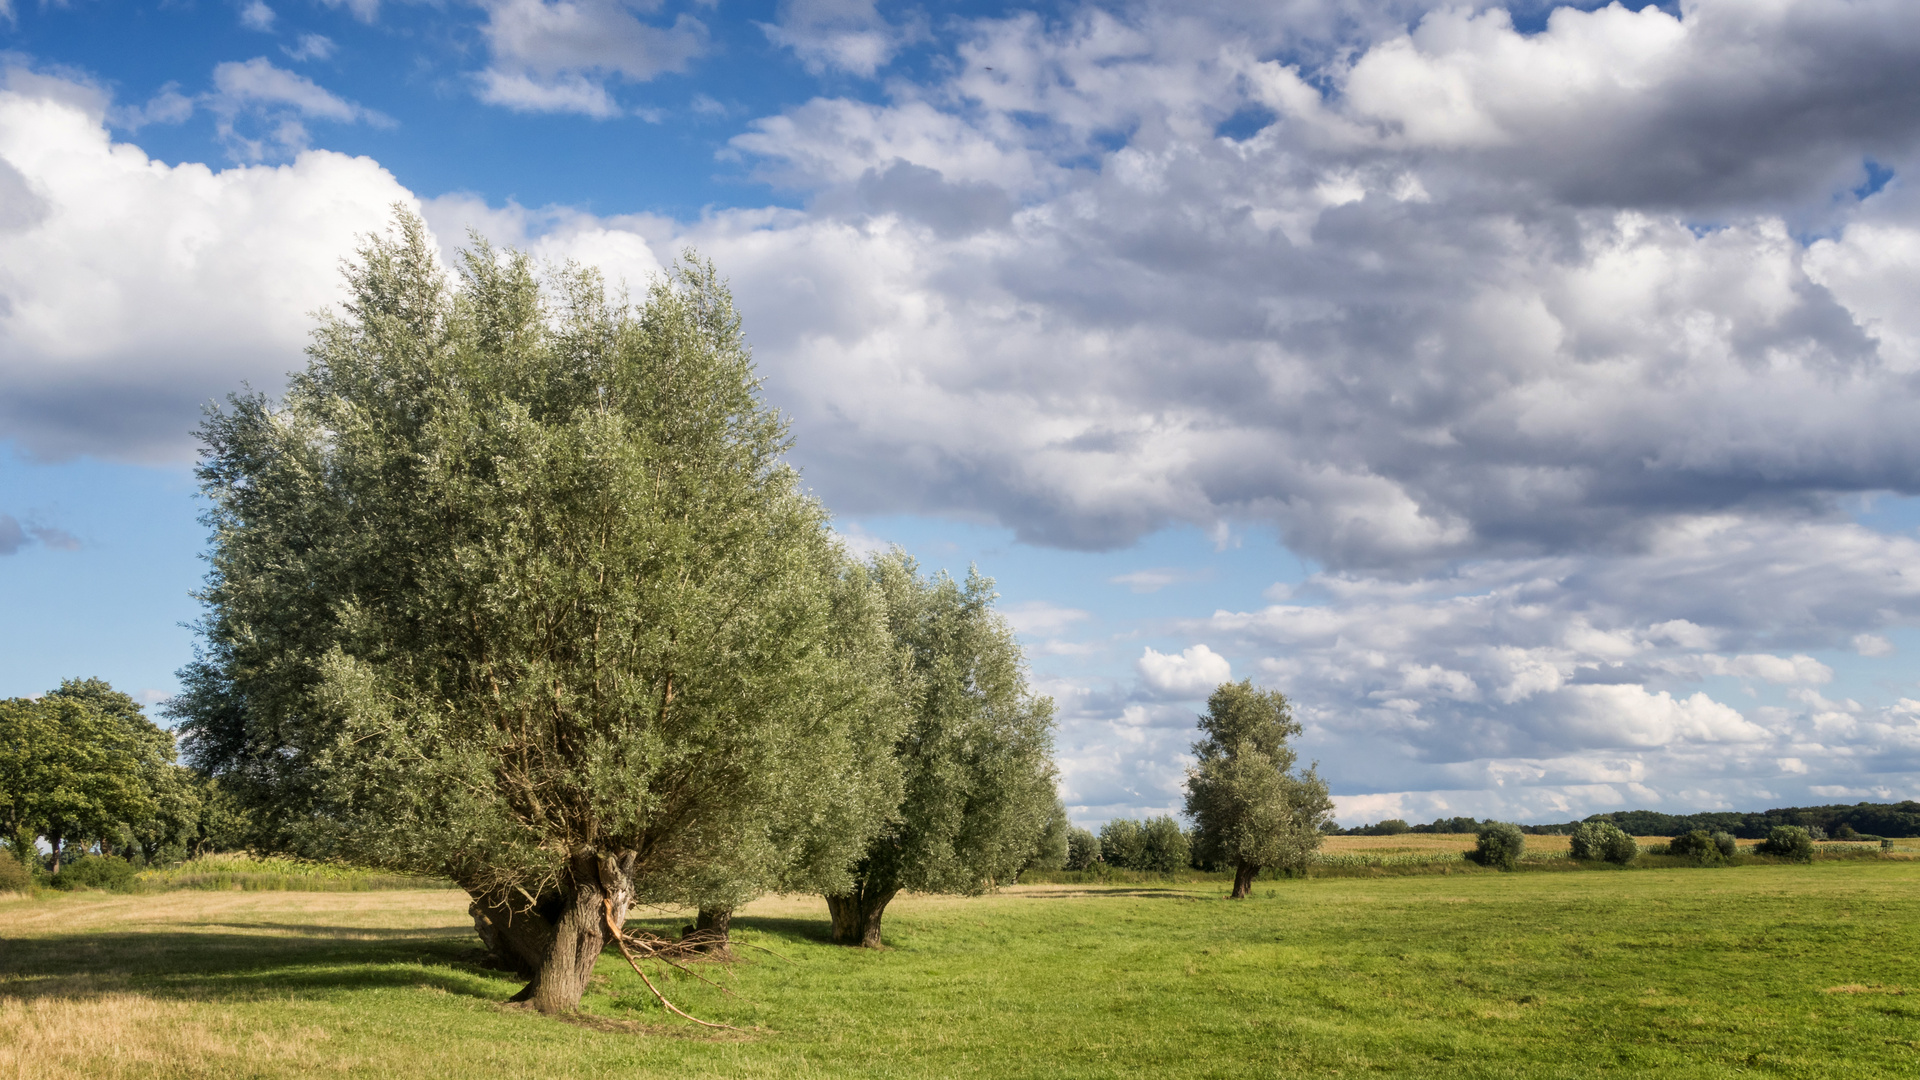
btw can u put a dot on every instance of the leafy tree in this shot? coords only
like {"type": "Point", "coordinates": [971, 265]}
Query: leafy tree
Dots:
{"type": "Point", "coordinates": [1726, 843]}
{"type": "Point", "coordinates": [68, 771]}
{"type": "Point", "coordinates": [1083, 850]}
{"type": "Point", "coordinates": [1163, 846]}
{"type": "Point", "coordinates": [1699, 846]}
{"type": "Point", "coordinates": [1251, 808]}
{"type": "Point", "coordinates": [1122, 844]}
{"type": "Point", "coordinates": [1788, 842]}
{"type": "Point", "coordinates": [14, 873]}
{"type": "Point", "coordinates": [1500, 845]}
{"type": "Point", "coordinates": [515, 586]}
{"type": "Point", "coordinates": [976, 758]}
{"type": "Point", "coordinates": [1599, 841]}
{"type": "Point", "coordinates": [165, 813]}
{"type": "Point", "coordinates": [1050, 849]}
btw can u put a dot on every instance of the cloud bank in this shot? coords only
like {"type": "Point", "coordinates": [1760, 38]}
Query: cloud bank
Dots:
{"type": "Point", "coordinates": [1559, 350]}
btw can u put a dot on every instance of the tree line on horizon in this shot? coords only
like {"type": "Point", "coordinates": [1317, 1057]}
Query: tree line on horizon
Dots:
{"type": "Point", "coordinates": [1839, 821]}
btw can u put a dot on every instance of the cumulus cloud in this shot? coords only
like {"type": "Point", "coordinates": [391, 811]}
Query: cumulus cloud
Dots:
{"type": "Point", "coordinates": [1192, 672]}
{"type": "Point", "coordinates": [132, 291]}
{"type": "Point", "coordinates": [558, 56]}
{"type": "Point", "coordinates": [273, 101]}
{"type": "Point", "coordinates": [1560, 352]}
{"type": "Point", "coordinates": [843, 35]}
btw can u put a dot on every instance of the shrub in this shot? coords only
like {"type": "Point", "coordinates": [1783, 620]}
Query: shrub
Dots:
{"type": "Point", "coordinates": [1499, 845]}
{"type": "Point", "coordinates": [1697, 845]}
{"type": "Point", "coordinates": [96, 872]}
{"type": "Point", "coordinates": [1788, 841]}
{"type": "Point", "coordinates": [14, 876]}
{"type": "Point", "coordinates": [1601, 841]}
{"type": "Point", "coordinates": [1083, 850]}
{"type": "Point", "coordinates": [1163, 846]}
{"type": "Point", "coordinates": [1725, 842]}
{"type": "Point", "coordinates": [1123, 844]}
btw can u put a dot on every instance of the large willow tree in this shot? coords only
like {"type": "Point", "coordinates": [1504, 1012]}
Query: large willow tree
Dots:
{"type": "Point", "coordinates": [514, 585]}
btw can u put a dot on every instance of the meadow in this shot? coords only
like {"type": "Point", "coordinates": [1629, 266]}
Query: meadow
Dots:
{"type": "Point", "coordinates": [1753, 970]}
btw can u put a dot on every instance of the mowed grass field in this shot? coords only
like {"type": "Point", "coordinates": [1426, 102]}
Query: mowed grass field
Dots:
{"type": "Point", "coordinates": [1748, 971]}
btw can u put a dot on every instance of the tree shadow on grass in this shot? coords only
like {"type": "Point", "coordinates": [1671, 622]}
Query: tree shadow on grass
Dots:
{"type": "Point", "coordinates": [202, 965]}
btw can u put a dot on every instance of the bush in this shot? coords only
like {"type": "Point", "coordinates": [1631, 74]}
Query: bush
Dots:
{"type": "Point", "coordinates": [96, 872]}
{"type": "Point", "coordinates": [1725, 842]}
{"type": "Point", "coordinates": [1122, 844]}
{"type": "Point", "coordinates": [14, 875]}
{"type": "Point", "coordinates": [1601, 841]}
{"type": "Point", "coordinates": [1499, 845]}
{"type": "Point", "coordinates": [1083, 850]}
{"type": "Point", "coordinates": [1789, 842]}
{"type": "Point", "coordinates": [1697, 845]}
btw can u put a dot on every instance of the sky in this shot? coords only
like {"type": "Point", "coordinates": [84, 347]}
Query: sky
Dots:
{"type": "Point", "coordinates": [1526, 391]}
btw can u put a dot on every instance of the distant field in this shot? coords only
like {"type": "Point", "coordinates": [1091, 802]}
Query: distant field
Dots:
{"type": "Point", "coordinates": [1760, 970]}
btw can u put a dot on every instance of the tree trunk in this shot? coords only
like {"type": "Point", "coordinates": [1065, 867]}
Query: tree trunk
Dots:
{"type": "Point", "coordinates": [555, 942]}
{"type": "Point", "coordinates": [711, 926]}
{"type": "Point", "coordinates": [54, 839]}
{"type": "Point", "coordinates": [1243, 875]}
{"type": "Point", "coordinates": [856, 916]}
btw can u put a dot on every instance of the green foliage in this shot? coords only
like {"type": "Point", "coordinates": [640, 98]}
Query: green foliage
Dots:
{"type": "Point", "coordinates": [80, 764]}
{"type": "Point", "coordinates": [1726, 844]}
{"type": "Point", "coordinates": [976, 756]}
{"type": "Point", "coordinates": [1250, 808]}
{"type": "Point", "coordinates": [1499, 845]}
{"type": "Point", "coordinates": [254, 873]}
{"type": "Point", "coordinates": [1083, 850]}
{"type": "Point", "coordinates": [97, 872]}
{"type": "Point", "coordinates": [14, 874]}
{"type": "Point", "coordinates": [1155, 846]}
{"type": "Point", "coordinates": [1699, 846]}
{"type": "Point", "coordinates": [1051, 849]}
{"type": "Point", "coordinates": [516, 586]}
{"type": "Point", "coordinates": [1600, 841]}
{"type": "Point", "coordinates": [1122, 845]}
{"type": "Point", "coordinates": [1788, 842]}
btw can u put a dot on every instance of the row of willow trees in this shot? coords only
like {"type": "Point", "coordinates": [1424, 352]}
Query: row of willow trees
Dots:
{"type": "Point", "coordinates": [513, 584]}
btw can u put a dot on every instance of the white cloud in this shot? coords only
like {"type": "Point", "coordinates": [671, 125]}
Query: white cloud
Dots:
{"type": "Point", "coordinates": [257, 16]}
{"type": "Point", "coordinates": [1872, 645]}
{"type": "Point", "coordinates": [312, 47]}
{"type": "Point", "coordinates": [276, 99]}
{"type": "Point", "coordinates": [1038, 618]}
{"type": "Point", "coordinates": [132, 291]}
{"type": "Point", "coordinates": [558, 56]}
{"type": "Point", "coordinates": [843, 35]}
{"type": "Point", "coordinates": [1151, 581]}
{"type": "Point", "coordinates": [1191, 673]}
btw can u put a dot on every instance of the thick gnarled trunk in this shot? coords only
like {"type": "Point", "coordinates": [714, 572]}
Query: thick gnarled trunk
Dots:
{"type": "Point", "coordinates": [856, 916]}
{"type": "Point", "coordinates": [554, 942]}
{"type": "Point", "coordinates": [1243, 876]}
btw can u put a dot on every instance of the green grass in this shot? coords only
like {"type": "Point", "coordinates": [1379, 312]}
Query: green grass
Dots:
{"type": "Point", "coordinates": [239, 870]}
{"type": "Point", "coordinates": [1745, 971]}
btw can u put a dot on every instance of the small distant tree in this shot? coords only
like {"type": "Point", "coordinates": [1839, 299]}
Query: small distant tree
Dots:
{"type": "Point", "coordinates": [1788, 842]}
{"type": "Point", "coordinates": [1602, 841]}
{"type": "Point", "coordinates": [975, 760]}
{"type": "Point", "coordinates": [1389, 827]}
{"type": "Point", "coordinates": [1250, 807]}
{"type": "Point", "coordinates": [1499, 845]}
{"type": "Point", "coordinates": [1699, 846]}
{"type": "Point", "coordinates": [1726, 843]}
{"type": "Point", "coordinates": [1083, 850]}
{"type": "Point", "coordinates": [1122, 844]}
{"type": "Point", "coordinates": [1163, 846]}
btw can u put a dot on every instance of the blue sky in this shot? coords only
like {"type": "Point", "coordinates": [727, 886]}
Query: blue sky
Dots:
{"type": "Point", "coordinates": [1527, 393]}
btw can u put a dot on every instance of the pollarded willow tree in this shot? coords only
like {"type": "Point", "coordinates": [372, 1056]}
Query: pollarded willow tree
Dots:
{"type": "Point", "coordinates": [976, 755]}
{"type": "Point", "coordinates": [513, 585]}
{"type": "Point", "coordinates": [1251, 809]}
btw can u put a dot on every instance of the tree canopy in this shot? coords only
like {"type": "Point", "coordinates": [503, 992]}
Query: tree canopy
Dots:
{"type": "Point", "coordinates": [1251, 808]}
{"type": "Point", "coordinates": [514, 585]}
{"type": "Point", "coordinates": [975, 758]}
